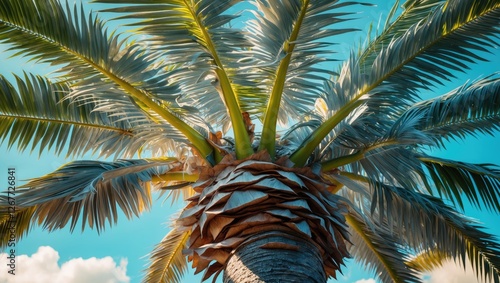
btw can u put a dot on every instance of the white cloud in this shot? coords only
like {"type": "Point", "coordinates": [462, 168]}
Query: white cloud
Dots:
{"type": "Point", "coordinates": [452, 272]}
{"type": "Point", "coordinates": [371, 280]}
{"type": "Point", "coordinates": [43, 267]}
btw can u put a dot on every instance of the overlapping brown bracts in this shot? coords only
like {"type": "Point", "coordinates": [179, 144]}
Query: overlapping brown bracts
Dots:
{"type": "Point", "coordinates": [236, 200]}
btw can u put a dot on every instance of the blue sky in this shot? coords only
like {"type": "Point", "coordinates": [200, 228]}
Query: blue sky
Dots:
{"type": "Point", "coordinates": [118, 253]}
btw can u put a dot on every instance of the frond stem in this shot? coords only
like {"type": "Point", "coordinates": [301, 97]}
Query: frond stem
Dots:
{"type": "Point", "coordinates": [198, 141]}
{"type": "Point", "coordinates": [242, 139]}
{"type": "Point", "coordinates": [300, 156]}
{"type": "Point", "coordinates": [347, 159]}
{"type": "Point", "coordinates": [175, 176]}
{"type": "Point", "coordinates": [356, 225]}
{"type": "Point", "coordinates": [178, 249]}
{"type": "Point", "coordinates": [355, 177]}
{"type": "Point", "coordinates": [268, 139]}
{"type": "Point", "coordinates": [48, 120]}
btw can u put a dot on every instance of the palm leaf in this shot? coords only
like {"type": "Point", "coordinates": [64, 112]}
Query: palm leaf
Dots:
{"type": "Point", "coordinates": [401, 135]}
{"type": "Point", "coordinates": [480, 183]}
{"type": "Point", "coordinates": [376, 247]}
{"type": "Point", "coordinates": [91, 190]}
{"type": "Point", "coordinates": [200, 46]}
{"type": "Point", "coordinates": [36, 113]}
{"type": "Point", "coordinates": [390, 158]}
{"type": "Point", "coordinates": [405, 213]}
{"type": "Point", "coordinates": [401, 69]}
{"type": "Point", "coordinates": [413, 12]}
{"type": "Point", "coordinates": [468, 110]}
{"type": "Point", "coordinates": [98, 67]}
{"type": "Point", "coordinates": [288, 34]}
{"type": "Point", "coordinates": [462, 112]}
{"type": "Point", "coordinates": [168, 263]}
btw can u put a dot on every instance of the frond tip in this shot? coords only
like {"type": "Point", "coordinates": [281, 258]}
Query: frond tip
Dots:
{"type": "Point", "coordinates": [376, 247]}
{"type": "Point", "coordinates": [92, 190]}
{"type": "Point", "coordinates": [479, 183]}
{"type": "Point", "coordinates": [34, 114]}
{"type": "Point", "coordinates": [168, 263]}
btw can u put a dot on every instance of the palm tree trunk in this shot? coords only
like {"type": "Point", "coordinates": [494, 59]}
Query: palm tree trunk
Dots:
{"type": "Point", "coordinates": [275, 257]}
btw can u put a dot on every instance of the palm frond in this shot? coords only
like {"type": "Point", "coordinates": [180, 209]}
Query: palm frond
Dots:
{"type": "Point", "coordinates": [413, 12]}
{"type": "Point", "coordinates": [99, 67]}
{"type": "Point", "coordinates": [467, 111]}
{"type": "Point", "coordinates": [376, 248]}
{"type": "Point", "coordinates": [288, 35]}
{"type": "Point", "coordinates": [390, 158]}
{"type": "Point", "coordinates": [168, 263]}
{"type": "Point", "coordinates": [453, 234]}
{"type": "Point", "coordinates": [401, 68]}
{"type": "Point", "coordinates": [204, 51]}
{"type": "Point", "coordinates": [480, 183]}
{"type": "Point", "coordinates": [92, 190]}
{"type": "Point", "coordinates": [334, 108]}
{"type": "Point", "coordinates": [402, 135]}
{"type": "Point", "coordinates": [405, 213]}
{"type": "Point", "coordinates": [35, 113]}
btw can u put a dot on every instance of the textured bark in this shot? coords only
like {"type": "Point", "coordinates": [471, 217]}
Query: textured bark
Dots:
{"type": "Point", "coordinates": [275, 257]}
{"type": "Point", "coordinates": [239, 201]}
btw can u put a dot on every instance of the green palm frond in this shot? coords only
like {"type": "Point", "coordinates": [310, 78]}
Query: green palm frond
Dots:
{"type": "Point", "coordinates": [382, 165]}
{"type": "Point", "coordinates": [99, 67]}
{"type": "Point", "coordinates": [203, 48]}
{"type": "Point", "coordinates": [377, 248]}
{"type": "Point", "coordinates": [168, 263]}
{"type": "Point", "coordinates": [469, 110]}
{"type": "Point", "coordinates": [289, 37]}
{"type": "Point", "coordinates": [466, 111]}
{"type": "Point", "coordinates": [479, 183]}
{"type": "Point", "coordinates": [413, 12]}
{"type": "Point", "coordinates": [91, 190]}
{"type": "Point", "coordinates": [390, 157]}
{"type": "Point", "coordinates": [404, 133]}
{"type": "Point", "coordinates": [423, 223]}
{"type": "Point", "coordinates": [35, 113]}
{"type": "Point", "coordinates": [402, 68]}
{"type": "Point", "coordinates": [453, 234]}
{"type": "Point", "coordinates": [406, 212]}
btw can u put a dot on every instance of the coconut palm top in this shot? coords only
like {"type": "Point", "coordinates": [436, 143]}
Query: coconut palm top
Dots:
{"type": "Point", "coordinates": [237, 106]}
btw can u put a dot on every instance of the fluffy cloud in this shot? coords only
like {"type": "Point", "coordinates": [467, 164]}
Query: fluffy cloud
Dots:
{"type": "Point", "coordinates": [451, 272]}
{"type": "Point", "coordinates": [43, 267]}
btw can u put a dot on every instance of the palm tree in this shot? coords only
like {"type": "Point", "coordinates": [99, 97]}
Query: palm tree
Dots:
{"type": "Point", "coordinates": [340, 166]}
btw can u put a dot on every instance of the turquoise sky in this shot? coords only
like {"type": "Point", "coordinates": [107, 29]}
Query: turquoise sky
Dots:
{"type": "Point", "coordinates": [132, 240]}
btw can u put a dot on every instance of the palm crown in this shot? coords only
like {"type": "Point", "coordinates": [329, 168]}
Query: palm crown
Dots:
{"type": "Point", "coordinates": [350, 173]}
